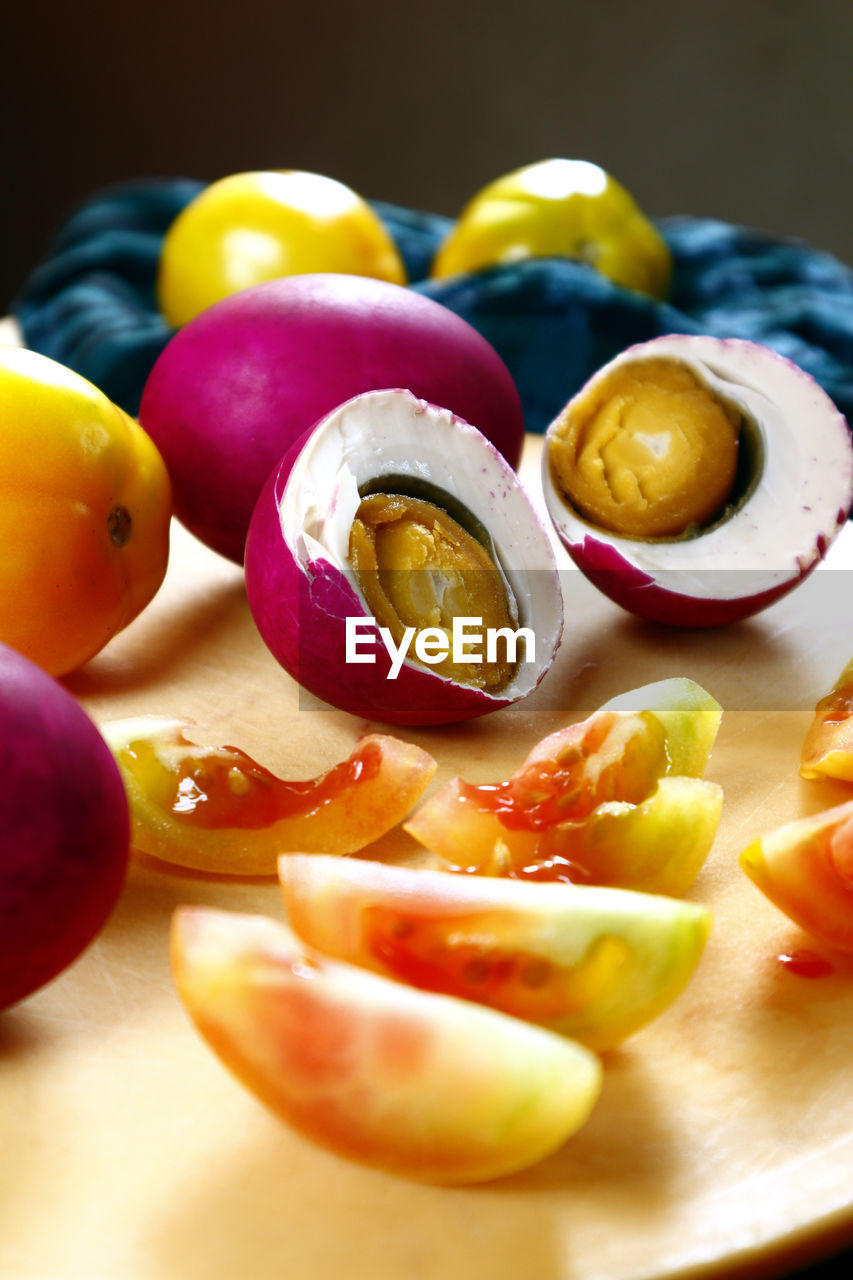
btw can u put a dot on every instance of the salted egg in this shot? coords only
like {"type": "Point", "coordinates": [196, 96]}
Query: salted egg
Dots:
{"type": "Point", "coordinates": [695, 480]}
{"type": "Point", "coordinates": [396, 567]}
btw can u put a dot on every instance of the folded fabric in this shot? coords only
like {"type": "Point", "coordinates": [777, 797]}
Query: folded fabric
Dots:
{"type": "Point", "coordinates": [91, 304]}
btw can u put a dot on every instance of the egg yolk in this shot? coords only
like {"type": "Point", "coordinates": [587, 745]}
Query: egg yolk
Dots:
{"type": "Point", "coordinates": [417, 567]}
{"type": "Point", "coordinates": [650, 452]}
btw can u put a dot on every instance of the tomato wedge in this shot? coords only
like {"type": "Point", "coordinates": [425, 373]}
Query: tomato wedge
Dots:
{"type": "Point", "coordinates": [214, 808]}
{"type": "Point", "coordinates": [827, 750]}
{"type": "Point", "coordinates": [805, 868]}
{"type": "Point", "coordinates": [421, 1085]}
{"type": "Point", "coordinates": [616, 799]}
{"type": "Point", "coordinates": [591, 963]}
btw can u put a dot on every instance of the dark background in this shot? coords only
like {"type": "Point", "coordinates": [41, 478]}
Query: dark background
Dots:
{"type": "Point", "coordinates": [737, 110]}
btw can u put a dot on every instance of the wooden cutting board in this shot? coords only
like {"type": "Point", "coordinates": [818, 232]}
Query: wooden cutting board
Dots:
{"type": "Point", "coordinates": [723, 1141]}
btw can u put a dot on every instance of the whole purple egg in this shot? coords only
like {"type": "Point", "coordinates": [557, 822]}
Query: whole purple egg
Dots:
{"type": "Point", "coordinates": [245, 379]}
{"type": "Point", "coordinates": [64, 828]}
{"type": "Point", "coordinates": [390, 551]}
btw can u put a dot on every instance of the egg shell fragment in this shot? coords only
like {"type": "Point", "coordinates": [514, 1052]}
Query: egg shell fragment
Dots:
{"type": "Point", "coordinates": [770, 540]}
{"type": "Point", "coordinates": [239, 384]}
{"type": "Point", "coordinates": [301, 588]}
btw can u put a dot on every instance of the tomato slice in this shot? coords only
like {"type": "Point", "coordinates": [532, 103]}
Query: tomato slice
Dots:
{"type": "Point", "coordinates": [595, 964]}
{"type": "Point", "coordinates": [421, 1085]}
{"type": "Point", "coordinates": [246, 228]}
{"type": "Point", "coordinates": [611, 756]}
{"type": "Point", "coordinates": [827, 750]}
{"type": "Point", "coordinates": [588, 803]}
{"type": "Point", "coordinates": [214, 808]}
{"type": "Point", "coordinates": [805, 868]}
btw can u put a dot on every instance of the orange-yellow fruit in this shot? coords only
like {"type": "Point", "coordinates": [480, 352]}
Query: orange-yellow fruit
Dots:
{"type": "Point", "coordinates": [85, 507]}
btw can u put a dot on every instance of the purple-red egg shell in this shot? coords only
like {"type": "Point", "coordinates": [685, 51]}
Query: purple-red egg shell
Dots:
{"type": "Point", "coordinates": [64, 828]}
{"type": "Point", "coordinates": [242, 381]}
{"type": "Point", "coordinates": [302, 620]}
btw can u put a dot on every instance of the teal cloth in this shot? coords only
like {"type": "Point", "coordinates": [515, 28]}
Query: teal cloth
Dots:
{"type": "Point", "coordinates": [91, 303]}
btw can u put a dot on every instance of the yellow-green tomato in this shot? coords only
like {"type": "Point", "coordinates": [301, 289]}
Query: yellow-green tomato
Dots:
{"type": "Point", "coordinates": [252, 227]}
{"type": "Point", "coordinates": [558, 208]}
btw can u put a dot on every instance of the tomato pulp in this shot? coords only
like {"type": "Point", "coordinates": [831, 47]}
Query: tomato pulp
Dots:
{"type": "Point", "coordinates": [616, 799]}
{"type": "Point", "coordinates": [215, 808]}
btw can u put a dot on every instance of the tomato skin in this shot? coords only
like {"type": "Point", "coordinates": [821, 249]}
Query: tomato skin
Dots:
{"type": "Point", "coordinates": [613, 800]}
{"type": "Point", "coordinates": [827, 750]}
{"type": "Point", "coordinates": [251, 227]}
{"type": "Point", "coordinates": [423, 1086]}
{"type": "Point", "coordinates": [213, 808]}
{"type": "Point", "coordinates": [85, 510]}
{"type": "Point", "coordinates": [591, 963]}
{"type": "Point", "coordinates": [558, 208]}
{"type": "Point", "coordinates": [805, 868]}
{"type": "Point", "coordinates": [657, 846]}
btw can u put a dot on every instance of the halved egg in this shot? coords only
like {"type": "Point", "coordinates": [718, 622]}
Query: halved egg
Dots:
{"type": "Point", "coordinates": [695, 480]}
{"type": "Point", "coordinates": [397, 569]}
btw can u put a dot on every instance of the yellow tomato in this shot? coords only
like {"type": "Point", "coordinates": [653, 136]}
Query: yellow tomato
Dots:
{"type": "Point", "coordinates": [252, 227]}
{"type": "Point", "coordinates": [85, 505]}
{"type": "Point", "coordinates": [558, 208]}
